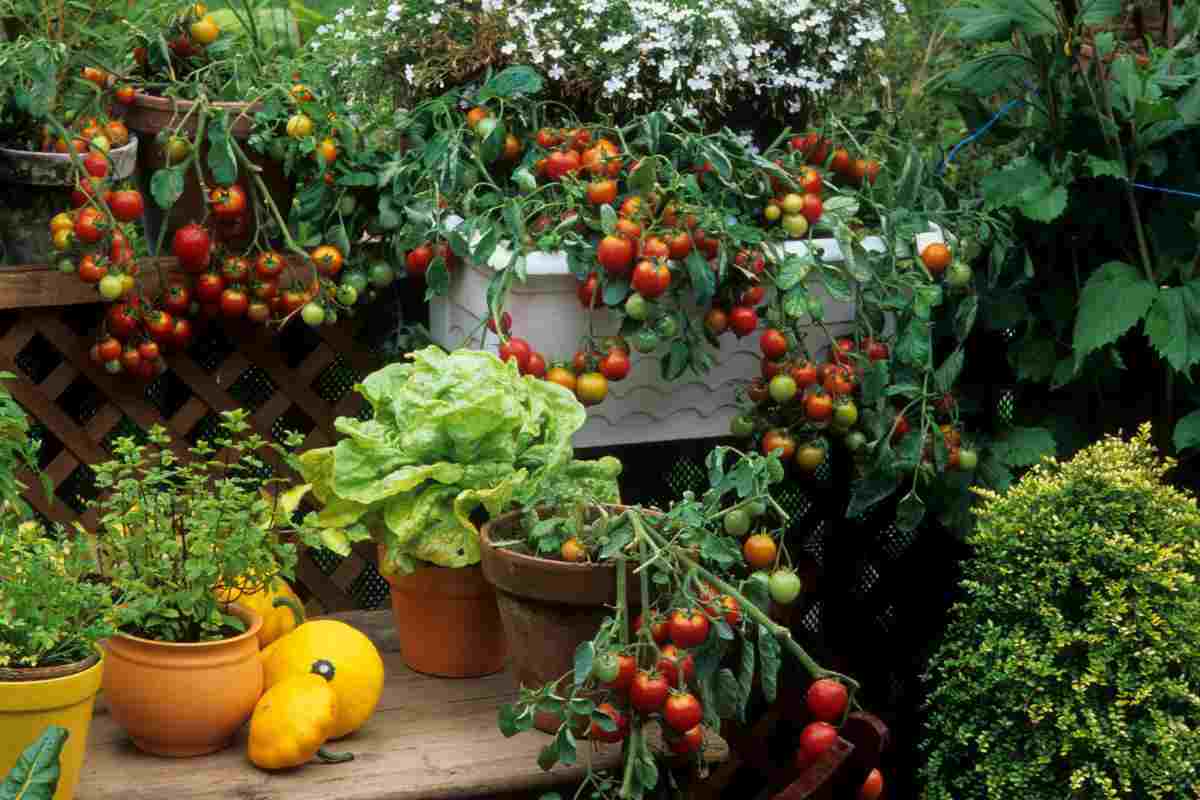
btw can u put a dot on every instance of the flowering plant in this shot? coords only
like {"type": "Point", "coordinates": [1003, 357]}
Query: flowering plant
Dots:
{"type": "Point", "coordinates": [612, 55]}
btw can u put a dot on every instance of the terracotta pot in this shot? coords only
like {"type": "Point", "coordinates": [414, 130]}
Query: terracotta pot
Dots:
{"type": "Point", "coordinates": [548, 607]}
{"type": "Point", "coordinates": [183, 700]}
{"type": "Point", "coordinates": [45, 697]}
{"type": "Point", "coordinates": [448, 622]}
{"type": "Point", "coordinates": [148, 115]}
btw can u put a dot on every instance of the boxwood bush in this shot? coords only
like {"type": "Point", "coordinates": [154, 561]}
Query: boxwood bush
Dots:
{"type": "Point", "coordinates": [1071, 668]}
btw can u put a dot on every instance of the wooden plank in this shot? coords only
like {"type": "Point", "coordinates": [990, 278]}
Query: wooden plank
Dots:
{"type": "Point", "coordinates": [17, 337]}
{"type": "Point", "coordinates": [316, 363]}
{"type": "Point", "coordinates": [299, 391]}
{"type": "Point", "coordinates": [317, 582]}
{"type": "Point", "coordinates": [340, 340]}
{"type": "Point", "coordinates": [49, 507]}
{"type": "Point", "coordinates": [429, 739]}
{"type": "Point", "coordinates": [59, 379]}
{"type": "Point", "coordinates": [49, 414]}
{"type": "Point", "coordinates": [106, 418]}
{"type": "Point", "coordinates": [61, 467]}
{"type": "Point", "coordinates": [186, 417]}
{"type": "Point", "coordinates": [347, 572]}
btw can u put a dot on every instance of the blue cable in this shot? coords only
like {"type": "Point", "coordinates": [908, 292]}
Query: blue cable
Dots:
{"type": "Point", "coordinates": [1004, 109]}
{"type": "Point", "coordinates": [1165, 190]}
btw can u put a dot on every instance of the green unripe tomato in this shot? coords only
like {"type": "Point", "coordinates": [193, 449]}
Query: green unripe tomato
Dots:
{"type": "Point", "coordinates": [782, 388]}
{"type": "Point", "coordinates": [785, 586]}
{"type": "Point", "coordinates": [958, 276]}
{"type": "Point", "coordinates": [380, 275]}
{"type": "Point", "coordinates": [756, 508]}
{"type": "Point", "coordinates": [347, 295]}
{"type": "Point", "coordinates": [857, 440]}
{"type": "Point", "coordinates": [347, 205]}
{"type": "Point", "coordinates": [645, 341]}
{"type": "Point", "coordinates": [66, 266]}
{"type": "Point", "coordinates": [605, 667]}
{"type": "Point", "coordinates": [313, 314]}
{"type": "Point", "coordinates": [667, 327]}
{"type": "Point", "coordinates": [967, 459]}
{"type": "Point", "coordinates": [357, 279]}
{"type": "Point", "coordinates": [742, 426]}
{"type": "Point", "coordinates": [737, 522]}
{"type": "Point", "coordinates": [637, 307]}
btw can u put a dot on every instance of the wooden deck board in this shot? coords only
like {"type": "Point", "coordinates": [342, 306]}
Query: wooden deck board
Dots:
{"type": "Point", "coordinates": [429, 739]}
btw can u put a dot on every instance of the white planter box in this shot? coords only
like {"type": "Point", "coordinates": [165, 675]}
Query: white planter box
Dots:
{"type": "Point", "coordinates": [643, 407]}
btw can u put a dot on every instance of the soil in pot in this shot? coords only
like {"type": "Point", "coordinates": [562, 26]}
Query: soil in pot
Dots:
{"type": "Point", "coordinates": [548, 607]}
{"type": "Point", "coordinates": [448, 622]}
{"type": "Point", "coordinates": [149, 115]}
{"type": "Point", "coordinates": [184, 699]}
{"type": "Point", "coordinates": [33, 699]}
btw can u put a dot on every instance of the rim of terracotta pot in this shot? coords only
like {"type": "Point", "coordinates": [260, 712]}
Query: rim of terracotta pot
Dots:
{"type": "Point", "coordinates": [42, 674]}
{"type": "Point", "coordinates": [178, 107]}
{"type": "Point", "coordinates": [572, 583]}
{"type": "Point", "coordinates": [253, 621]}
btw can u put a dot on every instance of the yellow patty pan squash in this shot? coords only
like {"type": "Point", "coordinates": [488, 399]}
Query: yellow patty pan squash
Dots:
{"type": "Point", "coordinates": [277, 620]}
{"type": "Point", "coordinates": [357, 680]}
{"type": "Point", "coordinates": [293, 719]}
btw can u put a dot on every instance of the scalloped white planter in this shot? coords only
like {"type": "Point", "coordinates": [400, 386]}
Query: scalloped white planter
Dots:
{"type": "Point", "coordinates": [643, 407]}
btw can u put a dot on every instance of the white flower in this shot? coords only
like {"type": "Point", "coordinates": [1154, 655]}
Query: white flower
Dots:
{"type": "Point", "coordinates": [614, 85]}
{"type": "Point", "coordinates": [509, 48]}
{"type": "Point", "coordinates": [409, 72]}
{"type": "Point", "coordinates": [394, 12]}
{"type": "Point", "coordinates": [435, 18]}
{"type": "Point", "coordinates": [556, 72]}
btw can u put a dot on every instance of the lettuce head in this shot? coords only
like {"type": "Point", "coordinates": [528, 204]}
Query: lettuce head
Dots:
{"type": "Point", "coordinates": [450, 433]}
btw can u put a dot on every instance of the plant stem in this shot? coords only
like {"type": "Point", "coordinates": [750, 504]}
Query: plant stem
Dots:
{"type": "Point", "coordinates": [633, 751]}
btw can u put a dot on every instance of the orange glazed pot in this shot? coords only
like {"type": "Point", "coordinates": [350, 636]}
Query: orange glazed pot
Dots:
{"type": "Point", "coordinates": [448, 622]}
{"type": "Point", "coordinates": [181, 700]}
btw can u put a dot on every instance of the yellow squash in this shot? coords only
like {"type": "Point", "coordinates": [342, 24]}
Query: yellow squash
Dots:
{"type": "Point", "coordinates": [293, 719]}
{"type": "Point", "coordinates": [277, 621]}
{"type": "Point", "coordinates": [358, 680]}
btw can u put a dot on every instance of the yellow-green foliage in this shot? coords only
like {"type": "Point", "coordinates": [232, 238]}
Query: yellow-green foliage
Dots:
{"type": "Point", "coordinates": [1072, 667]}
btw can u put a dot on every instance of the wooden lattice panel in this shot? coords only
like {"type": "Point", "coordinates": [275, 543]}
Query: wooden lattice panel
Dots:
{"type": "Point", "coordinates": [297, 379]}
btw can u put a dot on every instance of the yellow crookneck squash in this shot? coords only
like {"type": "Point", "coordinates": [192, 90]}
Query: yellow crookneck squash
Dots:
{"type": "Point", "coordinates": [278, 621]}
{"type": "Point", "coordinates": [358, 679]}
{"type": "Point", "coordinates": [294, 719]}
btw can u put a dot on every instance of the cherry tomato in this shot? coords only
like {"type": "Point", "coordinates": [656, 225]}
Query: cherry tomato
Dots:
{"type": "Point", "coordinates": [777, 440]}
{"type": "Point", "coordinates": [651, 279]}
{"type": "Point", "coordinates": [785, 586]}
{"type": "Point", "coordinates": [192, 246]}
{"type": "Point", "coordinates": [815, 740]}
{"type": "Point", "coordinates": [127, 205]}
{"type": "Point", "coordinates": [818, 406]}
{"type": "Point", "coordinates": [611, 737]}
{"type": "Point", "coordinates": [615, 366]}
{"type": "Point", "coordinates": [648, 692]}
{"type": "Point", "coordinates": [743, 320]}
{"type": "Point", "coordinates": [537, 365]}
{"type": "Point", "coordinates": [605, 667]}
{"type": "Point", "coordinates": [563, 377]}
{"type": "Point", "coordinates": [673, 662]}
{"type": "Point", "coordinates": [716, 321]}
{"type": "Point", "coordinates": [732, 610]}
{"type": "Point", "coordinates": [268, 265]}
{"type": "Point", "coordinates": [591, 388]}
{"type": "Point", "coordinates": [773, 343]}
{"type": "Point", "coordinates": [682, 711]}
{"type": "Point", "coordinates": [588, 292]}
{"type": "Point", "coordinates": [160, 325]}
{"type": "Point", "coordinates": [688, 628]}
{"type": "Point", "coordinates": [872, 787]}
{"type": "Point", "coordinates": [615, 254]}
{"type": "Point", "coordinates": [659, 630]}
{"type": "Point", "coordinates": [759, 551]}
{"type": "Point", "coordinates": [827, 700]}
{"type": "Point", "coordinates": [228, 202]}
{"type": "Point", "coordinates": [517, 349]}
{"type": "Point", "coordinates": [690, 742]}
{"type": "Point", "coordinates": [627, 667]}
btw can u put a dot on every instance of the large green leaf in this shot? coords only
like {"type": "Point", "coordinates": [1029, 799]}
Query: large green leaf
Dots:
{"type": "Point", "coordinates": [1115, 297]}
{"type": "Point", "coordinates": [511, 82]}
{"type": "Point", "coordinates": [35, 775]}
{"type": "Point", "coordinates": [1021, 447]}
{"type": "Point", "coordinates": [1187, 431]}
{"type": "Point", "coordinates": [1173, 325]}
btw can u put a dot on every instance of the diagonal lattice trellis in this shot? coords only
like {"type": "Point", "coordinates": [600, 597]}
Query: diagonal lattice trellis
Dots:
{"type": "Point", "coordinates": [298, 379]}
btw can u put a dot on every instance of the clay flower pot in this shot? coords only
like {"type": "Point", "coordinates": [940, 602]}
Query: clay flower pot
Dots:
{"type": "Point", "coordinates": [33, 699]}
{"type": "Point", "coordinates": [448, 622]}
{"type": "Point", "coordinates": [180, 700]}
{"type": "Point", "coordinates": [548, 607]}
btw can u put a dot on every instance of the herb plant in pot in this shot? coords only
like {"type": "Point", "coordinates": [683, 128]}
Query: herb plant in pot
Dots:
{"type": "Point", "coordinates": [184, 672]}
{"type": "Point", "coordinates": [455, 437]}
{"type": "Point", "coordinates": [52, 613]}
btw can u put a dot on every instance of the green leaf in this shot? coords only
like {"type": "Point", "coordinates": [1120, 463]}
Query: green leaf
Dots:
{"type": "Point", "coordinates": [1115, 297]}
{"type": "Point", "coordinates": [702, 278]}
{"type": "Point", "coordinates": [745, 678]}
{"type": "Point", "coordinates": [913, 347]}
{"type": "Point", "coordinates": [795, 302]}
{"type": "Point", "coordinates": [548, 756]}
{"type": "Point", "coordinates": [1103, 167]}
{"type": "Point", "coordinates": [909, 182]}
{"type": "Point", "coordinates": [221, 160]}
{"type": "Point", "coordinates": [615, 291]}
{"type": "Point", "coordinates": [166, 186]}
{"type": "Point", "coordinates": [793, 271]}
{"type": "Point", "coordinates": [981, 22]}
{"type": "Point", "coordinates": [909, 512]}
{"type": "Point", "coordinates": [874, 381]}
{"type": "Point", "coordinates": [508, 720]}
{"type": "Point", "coordinates": [644, 177]}
{"type": "Point", "coordinates": [728, 694]}
{"type": "Point", "coordinates": [676, 361]}
{"type": "Point", "coordinates": [338, 237]}
{"type": "Point", "coordinates": [1033, 357]}
{"type": "Point", "coordinates": [1095, 12]}
{"type": "Point", "coordinates": [1187, 431]}
{"type": "Point", "coordinates": [511, 82]}
{"type": "Point", "coordinates": [994, 474]}
{"type": "Point", "coordinates": [1022, 447]}
{"type": "Point", "coordinates": [584, 655]}
{"type": "Point", "coordinates": [1025, 185]}
{"type": "Point", "coordinates": [36, 773]}
{"type": "Point", "coordinates": [1173, 325]}
{"type": "Point", "coordinates": [837, 285]}
{"type": "Point", "coordinates": [1127, 84]}
{"type": "Point", "coordinates": [768, 654]}
{"type": "Point", "coordinates": [870, 491]}
{"type": "Point", "coordinates": [947, 374]}
{"type": "Point", "coordinates": [925, 299]}
{"type": "Point", "coordinates": [964, 316]}
{"type": "Point", "coordinates": [608, 219]}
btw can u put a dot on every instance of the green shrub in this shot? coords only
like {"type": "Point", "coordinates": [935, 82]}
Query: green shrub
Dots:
{"type": "Point", "coordinates": [1072, 667]}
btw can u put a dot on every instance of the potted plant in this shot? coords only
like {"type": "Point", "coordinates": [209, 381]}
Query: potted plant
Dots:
{"type": "Point", "coordinates": [57, 60]}
{"type": "Point", "coordinates": [455, 437]}
{"type": "Point", "coordinates": [175, 529]}
{"type": "Point", "coordinates": [52, 614]}
{"type": "Point", "coordinates": [708, 571]}
{"type": "Point", "coordinates": [1032, 686]}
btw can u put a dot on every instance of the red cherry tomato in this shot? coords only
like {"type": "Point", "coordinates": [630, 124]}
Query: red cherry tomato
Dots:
{"type": "Point", "coordinates": [688, 627]}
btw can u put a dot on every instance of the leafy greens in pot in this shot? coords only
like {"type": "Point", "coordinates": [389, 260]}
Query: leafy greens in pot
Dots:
{"type": "Point", "coordinates": [451, 432]}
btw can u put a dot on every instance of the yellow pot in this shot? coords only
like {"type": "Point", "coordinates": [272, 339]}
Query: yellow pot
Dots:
{"type": "Point", "coordinates": [27, 708]}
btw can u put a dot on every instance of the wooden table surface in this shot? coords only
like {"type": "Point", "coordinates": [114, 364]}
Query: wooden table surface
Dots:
{"type": "Point", "coordinates": [430, 738]}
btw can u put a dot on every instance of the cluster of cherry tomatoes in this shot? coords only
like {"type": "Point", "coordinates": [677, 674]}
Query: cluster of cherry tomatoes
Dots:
{"type": "Point", "coordinates": [187, 35]}
{"type": "Point", "coordinates": [827, 702]}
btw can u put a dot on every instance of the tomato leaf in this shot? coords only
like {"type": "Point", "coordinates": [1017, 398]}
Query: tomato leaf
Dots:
{"type": "Point", "coordinates": [437, 279]}
{"type": "Point", "coordinates": [36, 773]}
{"type": "Point", "coordinates": [221, 160]}
{"type": "Point", "coordinates": [585, 653]}
{"type": "Point", "coordinates": [644, 177]}
{"type": "Point", "coordinates": [338, 238]}
{"type": "Point", "coordinates": [793, 270]}
{"type": "Point", "coordinates": [652, 130]}
{"type": "Point", "coordinates": [768, 653]}
{"type": "Point", "coordinates": [565, 742]}
{"type": "Point", "coordinates": [389, 215]}
{"type": "Point", "coordinates": [166, 186]}
{"type": "Point", "coordinates": [994, 474]}
{"type": "Point", "coordinates": [608, 219]}
{"type": "Point", "coordinates": [925, 299]}
{"type": "Point", "coordinates": [702, 278]}
{"type": "Point", "coordinates": [493, 144]}
{"type": "Point", "coordinates": [914, 347]}
{"type": "Point", "coordinates": [745, 679]}
{"type": "Point", "coordinates": [946, 375]}
{"type": "Point", "coordinates": [615, 291]}
{"type": "Point", "coordinates": [909, 512]}
{"type": "Point", "coordinates": [837, 285]}
{"type": "Point", "coordinates": [1115, 297]}
{"type": "Point", "coordinates": [728, 694]}
{"type": "Point", "coordinates": [872, 490]}
{"type": "Point", "coordinates": [875, 379]}
{"type": "Point", "coordinates": [676, 361]}
{"type": "Point", "coordinates": [723, 551]}
{"type": "Point", "coordinates": [510, 720]}
{"type": "Point", "coordinates": [646, 771]}
{"type": "Point", "coordinates": [548, 757]}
